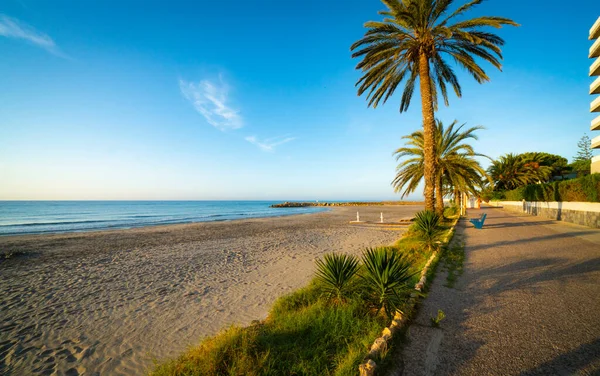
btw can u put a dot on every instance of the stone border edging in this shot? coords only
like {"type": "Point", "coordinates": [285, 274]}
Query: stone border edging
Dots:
{"type": "Point", "coordinates": [368, 367]}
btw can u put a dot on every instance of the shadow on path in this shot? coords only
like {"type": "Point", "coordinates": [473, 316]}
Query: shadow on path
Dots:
{"type": "Point", "coordinates": [525, 274]}
{"type": "Point", "coordinates": [532, 239]}
{"type": "Point", "coordinates": [516, 224]}
{"type": "Point", "coordinates": [585, 356]}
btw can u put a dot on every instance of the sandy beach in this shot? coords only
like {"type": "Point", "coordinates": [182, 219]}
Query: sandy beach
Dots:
{"type": "Point", "coordinates": [111, 302]}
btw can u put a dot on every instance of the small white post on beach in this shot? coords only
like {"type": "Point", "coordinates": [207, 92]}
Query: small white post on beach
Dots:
{"type": "Point", "coordinates": [357, 217]}
{"type": "Point", "coordinates": [381, 216]}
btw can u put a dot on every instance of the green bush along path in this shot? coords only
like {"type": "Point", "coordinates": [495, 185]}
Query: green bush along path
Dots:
{"type": "Point", "coordinates": [585, 189]}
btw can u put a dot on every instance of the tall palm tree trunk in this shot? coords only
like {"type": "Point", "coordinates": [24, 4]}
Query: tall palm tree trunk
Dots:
{"type": "Point", "coordinates": [428, 131]}
{"type": "Point", "coordinates": [439, 195]}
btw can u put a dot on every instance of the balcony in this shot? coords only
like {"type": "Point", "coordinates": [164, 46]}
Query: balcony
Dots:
{"type": "Point", "coordinates": [595, 125]}
{"type": "Point", "coordinates": [595, 167]}
{"type": "Point", "coordinates": [595, 30]}
{"type": "Point", "coordinates": [595, 68]}
{"type": "Point", "coordinates": [595, 105]}
{"type": "Point", "coordinates": [596, 142]}
{"type": "Point", "coordinates": [595, 49]}
{"type": "Point", "coordinates": [595, 86]}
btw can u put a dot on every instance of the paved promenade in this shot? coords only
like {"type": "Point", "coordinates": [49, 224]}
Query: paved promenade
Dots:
{"type": "Point", "coordinates": [528, 303]}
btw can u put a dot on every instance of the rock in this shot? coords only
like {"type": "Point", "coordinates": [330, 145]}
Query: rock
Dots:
{"type": "Point", "coordinates": [378, 346]}
{"type": "Point", "coordinates": [367, 369]}
{"type": "Point", "coordinates": [386, 334]}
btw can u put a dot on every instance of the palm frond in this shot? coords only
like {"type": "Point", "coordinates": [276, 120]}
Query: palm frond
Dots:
{"type": "Point", "coordinates": [391, 48]}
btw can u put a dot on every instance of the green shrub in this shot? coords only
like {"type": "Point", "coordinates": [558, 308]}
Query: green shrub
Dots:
{"type": "Point", "coordinates": [497, 196]}
{"type": "Point", "coordinates": [584, 189]}
{"type": "Point", "coordinates": [451, 211]}
{"type": "Point", "coordinates": [488, 196]}
{"type": "Point", "coordinates": [335, 272]}
{"type": "Point", "coordinates": [572, 190]}
{"type": "Point", "coordinates": [514, 195]}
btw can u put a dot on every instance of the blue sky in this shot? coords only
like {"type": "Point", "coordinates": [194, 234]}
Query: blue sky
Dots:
{"type": "Point", "coordinates": [252, 99]}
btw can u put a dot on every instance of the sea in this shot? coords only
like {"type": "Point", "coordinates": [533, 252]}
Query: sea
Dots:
{"type": "Point", "coordinates": [39, 217]}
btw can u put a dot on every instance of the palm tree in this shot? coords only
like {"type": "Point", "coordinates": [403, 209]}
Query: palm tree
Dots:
{"type": "Point", "coordinates": [512, 171]}
{"type": "Point", "coordinates": [454, 161]}
{"type": "Point", "coordinates": [541, 164]}
{"type": "Point", "coordinates": [412, 42]}
{"type": "Point", "coordinates": [465, 176]}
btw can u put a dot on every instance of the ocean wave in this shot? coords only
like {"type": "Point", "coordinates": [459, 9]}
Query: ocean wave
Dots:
{"type": "Point", "coordinates": [54, 223]}
{"type": "Point", "coordinates": [41, 217]}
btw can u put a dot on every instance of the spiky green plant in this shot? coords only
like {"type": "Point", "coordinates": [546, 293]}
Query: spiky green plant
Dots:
{"type": "Point", "coordinates": [427, 228]}
{"type": "Point", "coordinates": [414, 42]}
{"type": "Point", "coordinates": [335, 271]}
{"type": "Point", "coordinates": [387, 276]}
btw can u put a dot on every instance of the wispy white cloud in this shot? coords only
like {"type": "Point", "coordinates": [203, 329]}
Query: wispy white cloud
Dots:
{"type": "Point", "coordinates": [15, 29]}
{"type": "Point", "coordinates": [270, 143]}
{"type": "Point", "coordinates": [210, 98]}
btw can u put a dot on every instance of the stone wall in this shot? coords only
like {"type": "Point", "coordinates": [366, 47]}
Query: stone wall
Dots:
{"type": "Point", "coordinates": [581, 213]}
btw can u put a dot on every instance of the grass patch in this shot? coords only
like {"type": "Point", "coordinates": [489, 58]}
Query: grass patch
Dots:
{"type": "Point", "coordinates": [306, 333]}
{"type": "Point", "coordinates": [303, 335]}
{"type": "Point", "coordinates": [454, 258]}
{"type": "Point", "coordinates": [412, 248]}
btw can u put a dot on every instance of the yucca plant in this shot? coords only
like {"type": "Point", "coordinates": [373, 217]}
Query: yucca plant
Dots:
{"type": "Point", "coordinates": [387, 276]}
{"type": "Point", "coordinates": [335, 271]}
{"type": "Point", "coordinates": [427, 228]}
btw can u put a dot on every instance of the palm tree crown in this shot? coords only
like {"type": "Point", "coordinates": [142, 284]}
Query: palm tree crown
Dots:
{"type": "Point", "coordinates": [391, 48]}
{"type": "Point", "coordinates": [512, 171]}
{"type": "Point", "coordinates": [454, 160]}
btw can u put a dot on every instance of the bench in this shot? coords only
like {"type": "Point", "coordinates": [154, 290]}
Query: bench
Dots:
{"type": "Point", "coordinates": [478, 222]}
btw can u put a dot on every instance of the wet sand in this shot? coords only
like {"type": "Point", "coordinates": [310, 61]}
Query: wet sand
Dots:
{"type": "Point", "coordinates": [111, 302]}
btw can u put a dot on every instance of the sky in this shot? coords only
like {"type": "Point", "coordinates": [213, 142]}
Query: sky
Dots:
{"type": "Point", "coordinates": [253, 100]}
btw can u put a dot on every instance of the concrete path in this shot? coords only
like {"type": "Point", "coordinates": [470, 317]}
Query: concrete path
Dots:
{"type": "Point", "coordinates": [528, 303]}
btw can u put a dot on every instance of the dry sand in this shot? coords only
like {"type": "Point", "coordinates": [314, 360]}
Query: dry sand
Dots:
{"type": "Point", "coordinates": [110, 302]}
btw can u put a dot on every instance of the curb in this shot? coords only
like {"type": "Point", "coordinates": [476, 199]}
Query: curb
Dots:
{"type": "Point", "coordinates": [368, 367]}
